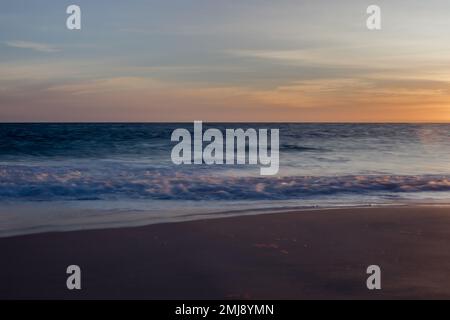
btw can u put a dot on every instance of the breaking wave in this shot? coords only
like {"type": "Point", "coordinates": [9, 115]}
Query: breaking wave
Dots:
{"type": "Point", "coordinates": [84, 183]}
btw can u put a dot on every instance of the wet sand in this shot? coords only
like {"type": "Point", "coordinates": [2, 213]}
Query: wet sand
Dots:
{"type": "Point", "coordinates": [296, 255]}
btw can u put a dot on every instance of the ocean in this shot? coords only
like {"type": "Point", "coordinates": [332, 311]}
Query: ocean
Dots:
{"type": "Point", "coordinates": [56, 177]}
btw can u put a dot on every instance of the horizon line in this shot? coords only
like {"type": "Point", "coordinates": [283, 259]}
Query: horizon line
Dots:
{"type": "Point", "coordinates": [236, 122]}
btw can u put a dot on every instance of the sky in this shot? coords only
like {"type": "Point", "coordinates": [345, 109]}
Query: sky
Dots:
{"type": "Point", "coordinates": [234, 60]}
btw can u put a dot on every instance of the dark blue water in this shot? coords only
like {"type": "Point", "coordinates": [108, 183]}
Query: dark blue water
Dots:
{"type": "Point", "coordinates": [128, 167]}
{"type": "Point", "coordinates": [50, 162]}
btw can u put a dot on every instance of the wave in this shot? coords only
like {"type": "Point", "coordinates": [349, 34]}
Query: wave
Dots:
{"type": "Point", "coordinates": [296, 147]}
{"type": "Point", "coordinates": [84, 183]}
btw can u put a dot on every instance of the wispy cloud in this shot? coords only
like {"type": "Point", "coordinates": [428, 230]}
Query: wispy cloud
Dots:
{"type": "Point", "coordinates": [40, 47]}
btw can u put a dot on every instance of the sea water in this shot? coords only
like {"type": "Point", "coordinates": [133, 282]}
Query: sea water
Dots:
{"type": "Point", "coordinates": [73, 176]}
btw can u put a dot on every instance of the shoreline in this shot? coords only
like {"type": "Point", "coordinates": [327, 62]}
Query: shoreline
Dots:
{"type": "Point", "coordinates": [143, 218]}
{"type": "Point", "coordinates": [295, 255]}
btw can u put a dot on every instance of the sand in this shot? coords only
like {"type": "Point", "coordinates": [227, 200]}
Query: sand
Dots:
{"type": "Point", "coordinates": [297, 255]}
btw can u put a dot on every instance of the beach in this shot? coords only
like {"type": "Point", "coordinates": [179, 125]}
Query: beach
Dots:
{"type": "Point", "coordinates": [315, 254]}
{"type": "Point", "coordinates": [224, 150]}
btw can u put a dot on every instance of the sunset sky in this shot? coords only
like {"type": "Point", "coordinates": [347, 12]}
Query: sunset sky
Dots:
{"type": "Point", "coordinates": [233, 60]}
